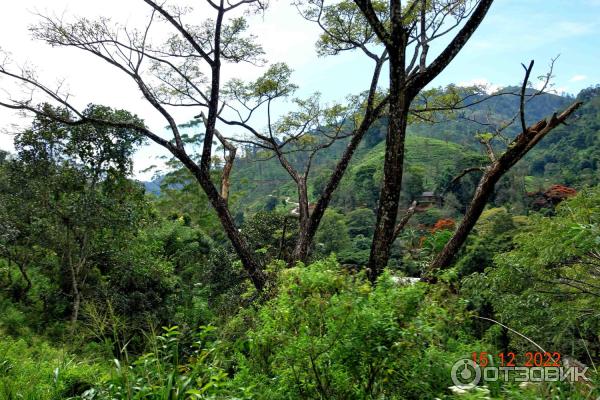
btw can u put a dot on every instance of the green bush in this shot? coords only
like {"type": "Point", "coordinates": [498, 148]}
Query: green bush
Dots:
{"type": "Point", "coordinates": [38, 371]}
{"type": "Point", "coordinates": [330, 334]}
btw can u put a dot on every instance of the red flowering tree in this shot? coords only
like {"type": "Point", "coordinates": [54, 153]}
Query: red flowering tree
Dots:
{"type": "Point", "coordinates": [551, 196]}
{"type": "Point", "coordinates": [443, 224]}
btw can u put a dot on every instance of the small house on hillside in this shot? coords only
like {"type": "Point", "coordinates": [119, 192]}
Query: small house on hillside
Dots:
{"type": "Point", "coordinates": [427, 199]}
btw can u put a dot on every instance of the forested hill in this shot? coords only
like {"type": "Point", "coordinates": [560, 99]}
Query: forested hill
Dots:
{"type": "Point", "coordinates": [499, 106]}
{"type": "Point", "coordinates": [572, 152]}
{"type": "Point", "coordinates": [435, 152]}
{"type": "Point", "coordinates": [569, 155]}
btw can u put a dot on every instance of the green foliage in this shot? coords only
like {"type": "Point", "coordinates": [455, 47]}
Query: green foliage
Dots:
{"type": "Point", "coordinates": [361, 221]}
{"type": "Point", "coordinates": [358, 252]}
{"type": "Point", "coordinates": [546, 286]}
{"type": "Point", "coordinates": [181, 197]}
{"type": "Point", "coordinates": [165, 372]}
{"type": "Point", "coordinates": [494, 235]}
{"type": "Point", "coordinates": [71, 212]}
{"type": "Point", "coordinates": [430, 216]}
{"type": "Point", "coordinates": [332, 235]}
{"type": "Point", "coordinates": [37, 371]}
{"type": "Point", "coordinates": [271, 234]}
{"type": "Point", "coordinates": [435, 242]}
{"type": "Point", "coordinates": [570, 154]}
{"type": "Point", "coordinates": [330, 334]}
{"type": "Point", "coordinates": [346, 26]}
{"type": "Point", "coordinates": [70, 216]}
{"type": "Point", "coordinates": [99, 149]}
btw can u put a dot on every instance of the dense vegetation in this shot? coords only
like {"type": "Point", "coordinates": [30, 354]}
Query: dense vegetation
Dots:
{"type": "Point", "coordinates": [108, 291]}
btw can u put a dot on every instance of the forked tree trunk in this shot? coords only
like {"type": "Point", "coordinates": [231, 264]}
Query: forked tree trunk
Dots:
{"type": "Point", "coordinates": [307, 234]}
{"type": "Point", "coordinates": [373, 111]}
{"type": "Point", "coordinates": [25, 276]}
{"type": "Point", "coordinates": [403, 89]}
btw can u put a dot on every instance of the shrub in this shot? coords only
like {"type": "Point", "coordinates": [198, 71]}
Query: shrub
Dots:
{"type": "Point", "coordinates": [39, 371]}
{"type": "Point", "coordinates": [330, 334]}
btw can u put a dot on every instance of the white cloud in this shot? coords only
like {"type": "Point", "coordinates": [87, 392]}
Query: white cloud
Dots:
{"type": "Point", "coordinates": [488, 86]}
{"type": "Point", "coordinates": [572, 28]}
{"type": "Point", "coordinates": [578, 78]}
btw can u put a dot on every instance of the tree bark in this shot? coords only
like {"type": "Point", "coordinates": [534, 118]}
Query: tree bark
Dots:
{"type": "Point", "coordinates": [229, 159]}
{"type": "Point", "coordinates": [402, 223]}
{"type": "Point", "coordinates": [389, 196]}
{"type": "Point", "coordinates": [76, 306]}
{"type": "Point", "coordinates": [226, 173]}
{"type": "Point", "coordinates": [238, 242]}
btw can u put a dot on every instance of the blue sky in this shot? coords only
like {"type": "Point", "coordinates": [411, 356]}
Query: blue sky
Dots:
{"type": "Point", "coordinates": [517, 31]}
{"type": "Point", "coordinates": [514, 32]}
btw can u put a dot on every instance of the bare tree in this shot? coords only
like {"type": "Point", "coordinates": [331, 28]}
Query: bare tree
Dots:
{"type": "Point", "coordinates": [307, 130]}
{"type": "Point", "coordinates": [413, 26]}
{"type": "Point", "coordinates": [183, 72]}
{"type": "Point", "coordinates": [405, 30]}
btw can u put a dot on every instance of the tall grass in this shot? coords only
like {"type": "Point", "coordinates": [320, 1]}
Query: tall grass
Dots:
{"type": "Point", "coordinates": [165, 372]}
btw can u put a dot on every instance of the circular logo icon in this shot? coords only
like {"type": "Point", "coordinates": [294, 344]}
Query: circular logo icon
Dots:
{"type": "Point", "coordinates": [465, 373]}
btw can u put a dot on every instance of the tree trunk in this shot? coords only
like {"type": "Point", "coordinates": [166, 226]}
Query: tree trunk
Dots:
{"type": "Point", "coordinates": [389, 196]}
{"type": "Point", "coordinates": [303, 204]}
{"type": "Point", "coordinates": [75, 310]}
{"type": "Point", "coordinates": [76, 295]}
{"type": "Point", "coordinates": [25, 277]}
{"type": "Point", "coordinates": [225, 182]}
{"type": "Point", "coordinates": [238, 242]}
{"type": "Point", "coordinates": [484, 190]}
{"type": "Point", "coordinates": [305, 232]}
{"type": "Point", "coordinates": [373, 112]}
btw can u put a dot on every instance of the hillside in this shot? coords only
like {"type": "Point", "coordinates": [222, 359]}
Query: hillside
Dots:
{"type": "Point", "coordinates": [571, 154]}
{"type": "Point", "coordinates": [428, 254]}
{"type": "Point", "coordinates": [568, 155]}
{"type": "Point", "coordinates": [427, 160]}
{"type": "Point", "coordinates": [498, 107]}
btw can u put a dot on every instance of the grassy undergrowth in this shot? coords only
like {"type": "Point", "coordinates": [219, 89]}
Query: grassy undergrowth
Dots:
{"type": "Point", "coordinates": [33, 369]}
